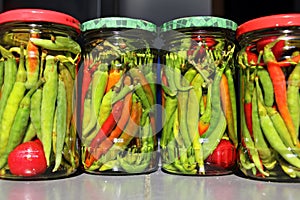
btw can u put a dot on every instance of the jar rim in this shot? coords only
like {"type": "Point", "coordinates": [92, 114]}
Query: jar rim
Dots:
{"type": "Point", "coordinates": [270, 21]}
{"type": "Point", "coordinates": [118, 22]}
{"type": "Point", "coordinates": [39, 15]}
{"type": "Point", "coordinates": [198, 21]}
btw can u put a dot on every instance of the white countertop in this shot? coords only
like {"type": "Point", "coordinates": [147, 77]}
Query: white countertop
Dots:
{"type": "Point", "coordinates": [157, 185]}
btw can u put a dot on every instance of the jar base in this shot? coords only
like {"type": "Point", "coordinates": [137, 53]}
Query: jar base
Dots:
{"type": "Point", "coordinates": [48, 175]}
{"type": "Point", "coordinates": [209, 170]}
{"type": "Point", "coordinates": [282, 179]}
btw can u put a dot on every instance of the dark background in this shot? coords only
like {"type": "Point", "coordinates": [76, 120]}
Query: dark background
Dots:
{"type": "Point", "coordinates": [159, 11]}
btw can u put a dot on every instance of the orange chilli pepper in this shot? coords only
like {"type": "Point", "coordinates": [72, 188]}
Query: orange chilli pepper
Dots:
{"type": "Point", "coordinates": [32, 62]}
{"type": "Point", "coordinates": [279, 84]}
{"type": "Point", "coordinates": [114, 76]}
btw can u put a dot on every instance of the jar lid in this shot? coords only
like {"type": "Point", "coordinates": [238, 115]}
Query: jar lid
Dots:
{"type": "Point", "coordinates": [271, 21]}
{"type": "Point", "coordinates": [198, 21]}
{"type": "Point", "coordinates": [39, 15]}
{"type": "Point", "coordinates": [118, 22]}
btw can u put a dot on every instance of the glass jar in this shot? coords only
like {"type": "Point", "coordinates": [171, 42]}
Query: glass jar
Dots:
{"type": "Point", "coordinates": [39, 56]}
{"type": "Point", "coordinates": [118, 97]}
{"type": "Point", "coordinates": [199, 135]}
{"type": "Point", "coordinates": [269, 97]}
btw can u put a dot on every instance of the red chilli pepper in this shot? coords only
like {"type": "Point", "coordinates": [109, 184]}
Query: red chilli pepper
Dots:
{"type": "Point", "coordinates": [86, 80]}
{"type": "Point", "coordinates": [164, 82]}
{"type": "Point", "coordinates": [277, 49]}
{"type": "Point", "coordinates": [208, 42]}
{"type": "Point", "coordinates": [251, 56]}
{"type": "Point", "coordinates": [27, 159]}
{"type": "Point", "coordinates": [202, 44]}
{"type": "Point", "coordinates": [248, 116]}
{"type": "Point", "coordinates": [224, 155]}
{"type": "Point", "coordinates": [105, 130]}
{"type": "Point", "coordinates": [248, 106]}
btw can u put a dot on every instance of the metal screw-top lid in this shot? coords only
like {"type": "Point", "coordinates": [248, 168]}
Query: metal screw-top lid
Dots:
{"type": "Point", "coordinates": [118, 22]}
{"type": "Point", "coordinates": [271, 21]}
{"type": "Point", "coordinates": [199, 21]}
{"type": "Point", "coordinates": [39, 16]}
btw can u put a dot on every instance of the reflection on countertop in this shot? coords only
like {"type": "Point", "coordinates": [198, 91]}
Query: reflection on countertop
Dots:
{"type": "Point", "coordinates": [157, 185]}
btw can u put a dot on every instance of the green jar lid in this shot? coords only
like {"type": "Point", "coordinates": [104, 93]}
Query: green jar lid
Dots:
{"type": "Point", "coordinates": [118, 22]}
{"type": "Point", "coordinates": [198, 21]}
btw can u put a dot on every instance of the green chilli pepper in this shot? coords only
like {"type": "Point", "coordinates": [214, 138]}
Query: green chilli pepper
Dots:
{"type": "Point", "coordinates": [169, 72]}
{"type": "Point", "coordinates": [123, 92]}
{"type": "Point", "coordinates": [275, 117]}
{"type": "Point", "coordinates": [30, 133]}
{"type": "Point", "coordinates": [19, 125]}
{"type": "Point", "coordinates": [180, 166]}
{"type": "Point", "coordinates": [54, 134]}
{"type": "Point", "coordinates": [266, 154]}
{"type": "Point", "coordinates": [280, 126]}
{"type": "Point", "coordinates": [139, 77]}
{"type": "Point", "coordinates": [67, 78]}
{"type": "Point", "coordinates": [59, 43]}
{"type": "Point", "coordinates": [106, 166]}
{"type": "Point", "coordinates": [274, 139]}
{"type": "Point", "coordinates": [5, 53]}
{"type": "Point", "coordinates": [142, 95]}
{"type": "Point", "coordinates": [188, 76]}
{"type": "Point", "coordinates": [133, 167]}
{"type": "Point", "coordinates": [105, 110]}
{"type": "Point", "coordinates": [150, 73]}
{"type": "Point", "coordinates": [87, 107]}
{"type": "Point", "coordinates": [204, 120]}
{"type": "Point", "coordinates": [177, 136]}
{"type": "Point", "coordinates": [192, 114]}
{"type": "Point", "coordinates": [177, 62]}
{"type": "Point", "coordinates": [289, 170]}
{"type": "Point", "coordinates": [145, 102]}
{"type": "Point", "coordinates": [11, 107]}
{"type": "Point", "coordinates": [61, 122]}
{"type": "Point", "coordinates": [1, 73]}
{"type": "Point", "coordinates": [68, 62]}
{"type": "Point", "coordinates": [147, 138]}
{"type": "Point", "coordinates": [245, 162]}
{"type": "Point", "coordinates": [192, 123]}
{"type": "Point", "coordinates": [170, 108]}
{"type": "Point", "coordinates": [35, 111]}
{"type": "Point", "coordinates": [232, 93]}
{"type": "Point", "coordinates": [105, 107]}
{"type": "Point", "coordinates": [48, 104]}
{"type": "Point", "coordinates": [99, 81]}
{"type": "Point", "coordinates": [182, 110]}
{"type": "Point", "coordinates": [69, 156]}
{"type": "Point", "coordinates": [197, 83]}
{"type": "Point", "coordinates": [267, 86]}
{"type": "Point", "coordinates": [293, 96]}
{"type": "Point", "coordinates": [252, 151]}
{"type": "Point", "coordinates": [10, 74]}
{"type": "Point", "coordinates": [170, 153]}
{"type": "Point", "coordinates": [217, 125]}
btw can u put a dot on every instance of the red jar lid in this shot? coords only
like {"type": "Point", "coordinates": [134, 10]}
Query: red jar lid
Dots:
{"type": "Point", "coordinates": [39, 15]}
{"type": "Point", "coordinates": [272, 21]}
